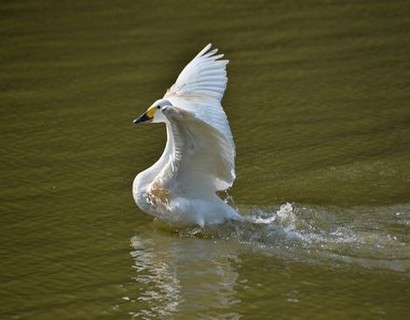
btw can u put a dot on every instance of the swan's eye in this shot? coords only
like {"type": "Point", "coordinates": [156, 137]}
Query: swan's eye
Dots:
{"type": "Point", "coordinates": [158, 107]}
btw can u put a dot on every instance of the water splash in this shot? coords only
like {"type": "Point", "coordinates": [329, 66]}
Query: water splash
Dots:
{"type": "Point", "coordinates": [369, 237]}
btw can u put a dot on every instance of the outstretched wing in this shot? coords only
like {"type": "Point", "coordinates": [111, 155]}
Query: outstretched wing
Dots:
{"type": "Point", "coordinates": [202, 156]}
{"type": "Point", "coordinates": [204, 75]}
{"type": "Point", "coordinates": [199, 89]}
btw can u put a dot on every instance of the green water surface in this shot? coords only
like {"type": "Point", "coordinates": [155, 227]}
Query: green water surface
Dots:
{"type": "Point", "coordinates": [318, 102]}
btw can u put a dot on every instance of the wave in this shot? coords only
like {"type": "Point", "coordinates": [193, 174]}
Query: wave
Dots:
{"type": "Point", "coordinates": [372, 237]}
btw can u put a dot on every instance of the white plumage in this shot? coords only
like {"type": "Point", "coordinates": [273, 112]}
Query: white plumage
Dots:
{"type": "Point", "coordinates": [199, 155]}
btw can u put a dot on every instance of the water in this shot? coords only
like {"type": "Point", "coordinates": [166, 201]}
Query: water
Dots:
{"type": "Point", "coordinates": [290, 257]}
{"type": "Point", "coordinates": [317, 100]}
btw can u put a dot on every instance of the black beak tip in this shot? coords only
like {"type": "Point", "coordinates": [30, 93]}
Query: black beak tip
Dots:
{"type": "Point", "coordinates": [141, 119]}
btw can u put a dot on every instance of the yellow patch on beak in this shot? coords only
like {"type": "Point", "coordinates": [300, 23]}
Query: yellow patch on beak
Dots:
{"type": "Point", "coordinates": [151, 111]}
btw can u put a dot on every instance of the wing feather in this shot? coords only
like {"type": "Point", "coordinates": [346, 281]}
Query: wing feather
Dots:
{"type": "Point", "coordinates": [202, 157]}
{"type": "Point", "coordinates": [198, 90]}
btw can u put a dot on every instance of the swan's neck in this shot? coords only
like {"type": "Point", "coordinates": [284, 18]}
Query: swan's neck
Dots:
{"type": "Point", "coordinates": [145, 178]}
{"type": "Point", "coordinates": [149, 188]}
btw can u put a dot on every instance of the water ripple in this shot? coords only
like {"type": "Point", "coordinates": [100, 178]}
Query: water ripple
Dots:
{"type": "Point", "coordinates": [371, 238]}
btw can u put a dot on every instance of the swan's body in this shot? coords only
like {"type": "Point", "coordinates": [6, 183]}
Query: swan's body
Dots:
{"type": "Point", "coordinates": [199, 155]}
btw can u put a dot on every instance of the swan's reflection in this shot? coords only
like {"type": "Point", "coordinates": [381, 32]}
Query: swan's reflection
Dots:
{"type": "Point", "coordinates": [184, 276]}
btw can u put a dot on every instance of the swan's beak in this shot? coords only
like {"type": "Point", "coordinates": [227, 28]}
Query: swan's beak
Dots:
{"type": "Point", "coordinates": [144, 118]}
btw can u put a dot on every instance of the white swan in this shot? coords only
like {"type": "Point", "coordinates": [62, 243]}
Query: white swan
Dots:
{"type": "Point", "coordinates": [199, 155]}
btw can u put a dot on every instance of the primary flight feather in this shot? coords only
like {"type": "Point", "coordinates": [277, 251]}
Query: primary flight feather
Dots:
{"type": "Point", "coordinates": [199, 155]}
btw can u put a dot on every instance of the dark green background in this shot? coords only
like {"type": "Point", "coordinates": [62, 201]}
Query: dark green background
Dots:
{"type": "Point", "coordinates": [318, 102]}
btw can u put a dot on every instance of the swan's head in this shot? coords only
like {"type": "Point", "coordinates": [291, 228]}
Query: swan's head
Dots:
{"type": "Point", "coordinates": [154, 112]}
